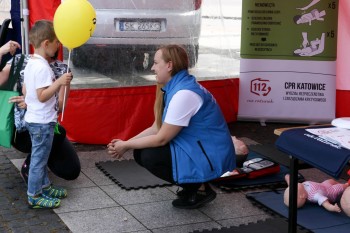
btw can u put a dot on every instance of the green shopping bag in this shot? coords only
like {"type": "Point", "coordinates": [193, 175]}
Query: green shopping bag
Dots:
{"type": "Point", "coordinates": [6, 118]}
{"type": "Point", "coordinates": [6, 108]}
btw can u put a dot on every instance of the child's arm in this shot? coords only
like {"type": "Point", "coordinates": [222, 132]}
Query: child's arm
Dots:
{"type": "Point", "coordinates": [44, 94]}
{"type": "Point", "coordinates": [328, 206]}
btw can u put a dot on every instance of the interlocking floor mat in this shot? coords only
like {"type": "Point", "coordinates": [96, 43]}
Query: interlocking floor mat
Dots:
{"type": "Point", "coordinates": [129, 175]}
{"type": "Point", "coordinates": [271, 225]}
{"type": "Point", "coordinates": [311, 216]}
{"type": "Point", "coordinates": [269, 181]}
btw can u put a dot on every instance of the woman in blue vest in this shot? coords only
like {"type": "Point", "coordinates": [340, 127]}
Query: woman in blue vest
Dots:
{"type": "Point", "coordinates": [189, 143]}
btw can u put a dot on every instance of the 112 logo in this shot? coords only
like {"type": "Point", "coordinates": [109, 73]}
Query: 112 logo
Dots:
{"type": "Point", "coordinates": [260, 87]}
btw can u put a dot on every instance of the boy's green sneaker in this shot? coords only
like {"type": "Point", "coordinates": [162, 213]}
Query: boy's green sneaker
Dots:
{"type": "Point", "coordinates": [55, 192]}
{"type": "Point", "coordinates": [42, 202]}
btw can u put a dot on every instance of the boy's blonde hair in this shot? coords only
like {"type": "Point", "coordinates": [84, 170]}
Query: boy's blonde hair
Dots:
{"type": "Point", "coordinates": [40, 31]}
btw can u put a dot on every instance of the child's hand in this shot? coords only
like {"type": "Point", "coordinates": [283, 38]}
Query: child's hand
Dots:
{"type": "Point", "coordinates": [65, 79]}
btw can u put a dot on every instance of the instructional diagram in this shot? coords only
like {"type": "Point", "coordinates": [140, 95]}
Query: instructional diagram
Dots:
{"type": "Point", "coordinates": [311, 48]}
{"type": "Point", "coordinates": [315, 46]}
{"type": "Point", "coordinates": [289, 30]}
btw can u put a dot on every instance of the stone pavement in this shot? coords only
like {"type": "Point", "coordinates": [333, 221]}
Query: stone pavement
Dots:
{"type": "Point", "coordinates": [97, 204]}
{"type": "Point", "coordinates": [15, 216]}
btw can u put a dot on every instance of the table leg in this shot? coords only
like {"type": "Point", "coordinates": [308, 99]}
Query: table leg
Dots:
{"type": "Point", "coordinates": [293, 192]}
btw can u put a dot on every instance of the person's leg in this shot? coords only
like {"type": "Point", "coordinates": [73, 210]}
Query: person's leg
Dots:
{"type": "Point", "coordinates": [159, 162]}
{"type": "Point", "coordinates": [60, 155]}
{"type": "Point", "coordinates": [193, 196]}
{"type": "Point", "coordinates": [42, 137]}
{"type": "Point", "coordinates": [156, 160]}
{"type": "Point", "coordinates": [21, 141]}
{"type": "Point", "coordinates": [64, 161]}
{"type": "Point", "coordinates": [25, 169]}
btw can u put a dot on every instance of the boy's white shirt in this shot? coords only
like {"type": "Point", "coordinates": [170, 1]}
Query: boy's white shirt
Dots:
{"type": "Point", "coordinates": [38, 74]}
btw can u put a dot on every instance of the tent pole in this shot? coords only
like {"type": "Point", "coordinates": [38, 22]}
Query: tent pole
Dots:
{"type": "Point", "coordinates": [25, 26]}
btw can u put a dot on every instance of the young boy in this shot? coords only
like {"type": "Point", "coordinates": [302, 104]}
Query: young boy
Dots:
{"type": "Point", "coordinates": [41, 96]}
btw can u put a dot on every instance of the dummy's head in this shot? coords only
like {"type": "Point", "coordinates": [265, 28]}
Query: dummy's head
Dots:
{"type": "Point", "coordinates": [345, 201]}
{"type": "Point", "coordinates": [301, 197]}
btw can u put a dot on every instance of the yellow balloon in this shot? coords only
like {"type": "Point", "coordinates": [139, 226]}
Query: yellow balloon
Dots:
{"type": "Point", "coordinates": [74, 22]}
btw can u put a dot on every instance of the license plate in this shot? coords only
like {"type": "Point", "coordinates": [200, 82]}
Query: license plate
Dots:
{"type": "Point", "coordinates": [139, 26]}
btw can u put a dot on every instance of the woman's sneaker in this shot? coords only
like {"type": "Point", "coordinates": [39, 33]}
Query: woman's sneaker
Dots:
{"type": "Point", "coordinates": [43, 202]}
{"type": "Point", "coordinates": [55, 192]}
{"type": "Point", "coordinates": [194, 199]}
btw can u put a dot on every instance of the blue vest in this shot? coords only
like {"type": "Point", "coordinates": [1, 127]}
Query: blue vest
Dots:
{"type": "Point", "coordinates": [204, 150]}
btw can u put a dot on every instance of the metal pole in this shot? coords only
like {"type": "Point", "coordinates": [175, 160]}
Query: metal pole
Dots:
{"type": "Point", "coordinates": [293, 192]}
{"type": "Point", "coordinates": [22, 28]}
{"type": "Point", "coordinates": [25, 26]}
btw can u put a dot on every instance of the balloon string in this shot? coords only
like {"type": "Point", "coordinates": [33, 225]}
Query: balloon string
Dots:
{"type": "Point", "coordinates": [65, 89]}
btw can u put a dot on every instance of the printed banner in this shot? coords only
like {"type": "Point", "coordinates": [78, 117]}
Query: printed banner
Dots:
{"type": "Point", "coordinates": [288, 52]}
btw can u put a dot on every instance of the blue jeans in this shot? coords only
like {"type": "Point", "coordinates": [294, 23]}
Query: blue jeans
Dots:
{"type": "Point", "coordinates": [42, 137]}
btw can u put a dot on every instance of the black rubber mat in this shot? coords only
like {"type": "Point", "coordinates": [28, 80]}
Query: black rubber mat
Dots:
{"type": "Point", "coordinates": [129, 175]}
{"type": "Point", "coordinates": [271, 225]}
{"type": "Point", "coordinates": [322, 221]}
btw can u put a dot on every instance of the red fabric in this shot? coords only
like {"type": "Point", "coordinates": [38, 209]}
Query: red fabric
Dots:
{"type": "Point", "coordinates": [43, 9]}
{"type": "Point", "coordinates": [96, 116]}
{"type": "Point", "coordinates": [343, 58]}
{"type": "Point", "coordinates": [342, 103]}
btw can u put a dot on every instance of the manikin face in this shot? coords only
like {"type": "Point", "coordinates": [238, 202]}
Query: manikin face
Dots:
{"type": "Point", "coordinates": [161, 68]}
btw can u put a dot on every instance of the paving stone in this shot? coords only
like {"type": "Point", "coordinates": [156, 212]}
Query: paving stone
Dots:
{"type": "Point", "coordinates": [120, 211]}
{"type": "Point", "coordinates": [15, 216]}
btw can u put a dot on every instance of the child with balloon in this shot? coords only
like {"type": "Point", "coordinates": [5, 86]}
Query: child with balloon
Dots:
{"type": "Point", "coordinates": [41, 96]}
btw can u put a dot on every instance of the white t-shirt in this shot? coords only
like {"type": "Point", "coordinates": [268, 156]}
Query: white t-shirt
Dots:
{"type": "Point", "coordinates": [182, 107]}
{"type": "Point", "coordinates": [38, 74]}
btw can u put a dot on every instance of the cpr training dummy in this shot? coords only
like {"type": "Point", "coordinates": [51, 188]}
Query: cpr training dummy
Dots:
{"type": "Point", "coordinates": [326, 194]}
{"type": "Point", "coordinates": [345, 199]}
